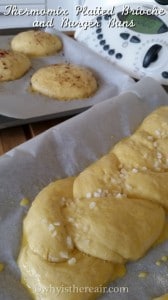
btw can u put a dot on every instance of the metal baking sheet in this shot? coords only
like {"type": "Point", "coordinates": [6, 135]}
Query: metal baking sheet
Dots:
{"type": "Point", "coordinates": [63, 151]}
{"type": "Point", "coordinates": [16, 101]}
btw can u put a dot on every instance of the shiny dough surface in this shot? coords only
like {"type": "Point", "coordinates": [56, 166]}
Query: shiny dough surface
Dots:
{"type": "Point", "coordinates": [112, 212]}
{"type": "Point", "coordinates": [115, 229]}
{"type": "Point", "coordinates": [76, 269]}
{"type": "Point", "coordinates": [163, 297]}
{"type": "Point", "coordinates": [136, 167]}
{"type": "Point", "coordinates": [46, 216]}
{"type": "Point", "coordinates": [64, 281]}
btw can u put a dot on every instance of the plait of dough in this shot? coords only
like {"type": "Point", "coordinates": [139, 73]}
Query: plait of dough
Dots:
{"type": "Point", "coordinates": [149, 185]}
{"type": "Point", "coordinates": [44, 227]}
{"type": "Point", "coordinates": [36, 43]}
{"type": "Point", "coordinates": [77, 276]}
{"type": "Point", "coordinates": [64, 82]}
{"type": "Point", "coordinates": [136, 167]}
{"type": "Point", "coordinates": [115, 229]}
{"type": "Point", "coordinates": [82, 277]}
{"type": "Point", "coordinates": [112, 212]}
{"type": "Point", "coordinates": [144, 158]}
{"type": "Point", "coordinates": [156, 123]}
{"type": "Point", "coordinates": [100, 179]}
{"type": "Point", "coordinates": [13, 65]}
{"type": "Point", "coordinates": [163, 297]}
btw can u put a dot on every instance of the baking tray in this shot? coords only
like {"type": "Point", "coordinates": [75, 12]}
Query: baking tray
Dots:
{"type": "Point", "coordinates": [18, 103]}
{"type": "Point", "coordinates": [65, 150]}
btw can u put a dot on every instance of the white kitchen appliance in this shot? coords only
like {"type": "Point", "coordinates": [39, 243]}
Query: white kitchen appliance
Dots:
{"type": "Point", "coordinates": [133, 34]}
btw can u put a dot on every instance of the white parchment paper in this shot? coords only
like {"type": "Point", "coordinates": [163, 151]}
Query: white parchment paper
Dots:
{"type": "Point", "coordinates": [65, 150]}
{"type": "Point", "coordinates": [18, 102]}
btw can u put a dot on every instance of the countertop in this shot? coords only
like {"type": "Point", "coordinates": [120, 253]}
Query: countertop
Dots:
{"type": "Point", "coordinates": [14, 136]}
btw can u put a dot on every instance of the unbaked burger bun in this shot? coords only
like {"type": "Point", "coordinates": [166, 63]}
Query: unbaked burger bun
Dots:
{"type": "Point", "coordinates": [64, 82]}
{"type": "Point", "coordinates": [13, 65]}
{"type": "Point", "coordinates": [36, 43]}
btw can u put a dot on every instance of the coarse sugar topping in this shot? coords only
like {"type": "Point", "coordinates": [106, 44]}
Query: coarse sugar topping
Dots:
{"type": "Point", "coordinates": [72, 261]}
{"type": "Point", "coordinates": [92, 205]}
{"type": "Point", "coordinates": [69, 242]}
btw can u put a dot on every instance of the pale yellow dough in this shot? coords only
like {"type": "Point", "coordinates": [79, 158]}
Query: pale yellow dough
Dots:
{"type": "Point", "coordinates": [156, 123]}
{"type": "Point", "coordinates": [36, 43]}
{"type": "Point", "coordinates": [96, 179]}
{"type": "Point", "coordinates": [164, 297]}
{"type": "Point", "coordinates": [149, 185]}
{"type": "Point", "coordinates": [136, 167]}
{"type": "Point", "coordinates": [62, 281]}
{"type": "Point", "coordinates": [44, 227]}
{"type": "Point", "coordinates": [13, 65]}
{"type": "Point", "coordinates": [144, 156]}
{"type": "Point", "coordinates": [81, 230]}
{"type": "Point", "coordinates": [41, 273]}
{"type": "Point", "coordinates": [115, 229]}
{"type": "Point", "coordinates": [64, 82]}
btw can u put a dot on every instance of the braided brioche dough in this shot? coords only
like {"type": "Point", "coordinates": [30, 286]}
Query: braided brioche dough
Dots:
{"type": "Point", "coordinates": [56, 280]}
{"type": "Point", "coordinates": [115, 229]}
{"type": "Point", "coordinates": [64, 82]}
{"type": "Point", "coordinates": [164, 297]}
{"type": "Point", "coordinates": [95, 180]}
{"type": "Point", "coordinates": [39, 249]}
{"type": "Point", "coordinates": [136, 167]}
{"type": "Point", "coordinates": [106, 213]}
{"type": "Point", "coordinates": [145, 159]}
{"type": "Point", "coordinates": [45, 216]}
{"type": "Point", "coordinates": [36, 43]}
{"type": "Point", "coordinates": [156, 123]}
{"type": "Point", "coordinates": [13, 65]}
